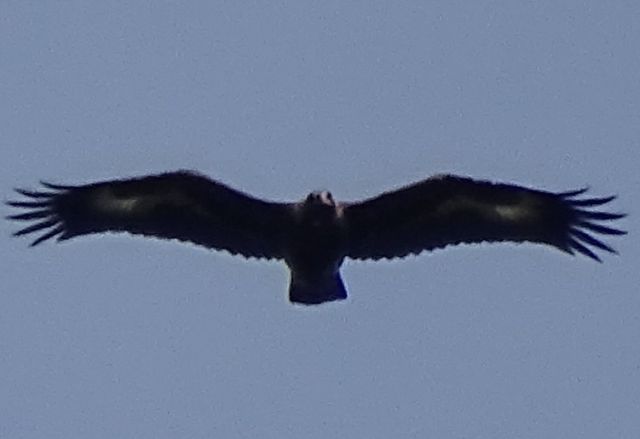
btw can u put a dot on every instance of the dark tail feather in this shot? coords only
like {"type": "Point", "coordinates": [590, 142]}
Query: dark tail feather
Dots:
{"type": "Point", "coordinates": [318, 291]}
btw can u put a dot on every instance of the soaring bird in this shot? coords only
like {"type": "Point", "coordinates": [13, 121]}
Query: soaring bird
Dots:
{"type": "Point", "coordinates": [315, 235]}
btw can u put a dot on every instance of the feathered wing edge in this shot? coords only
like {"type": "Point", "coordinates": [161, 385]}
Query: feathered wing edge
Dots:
{"type": "Point", "coordinates": [41, 208]}
{"type": "Point", "coordinates": [586, 222]}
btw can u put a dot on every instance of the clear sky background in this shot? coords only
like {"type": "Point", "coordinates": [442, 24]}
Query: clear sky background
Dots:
{"type": "Point", "coordinates": [121, 337]}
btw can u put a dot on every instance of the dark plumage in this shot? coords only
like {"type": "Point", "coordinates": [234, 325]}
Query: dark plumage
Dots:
{"type": "Point", "coordinates": [315, 235]}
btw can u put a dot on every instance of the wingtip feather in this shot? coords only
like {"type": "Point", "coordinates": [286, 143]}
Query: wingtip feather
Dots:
{"type": "Point", "coordinates": [574, 192]}
{"type": "Point", "coordinates": [587, 202]}
{"type": "Point", "coordinates": [46, 236]}
{"type": "Point", "coordinates": [581, 248]}
{"type": "Point", "coordinates": [55, 186]}
{"type": "Point", "coordinates": [31, 215]}
{"type": "Point", "coordinates": [27, 204]}
{"type": "Point", "coordinates": [34, 194]}
{"type": "Point", "coordinates": [586, 219]}
{"type": "Point", "coordinates": [35, 227]}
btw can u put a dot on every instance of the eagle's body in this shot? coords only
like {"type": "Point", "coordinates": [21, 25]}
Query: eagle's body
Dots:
{"type": "Point", "coordinates": [316, 250]}
{"type": "Point", "coordinates": [315, 235]}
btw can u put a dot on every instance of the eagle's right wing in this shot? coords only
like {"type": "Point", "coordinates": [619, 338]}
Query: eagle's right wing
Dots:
{"type": "Point", "coordinates": [450, 210]}
{"type": "Point", "coordinates": [177, 205]}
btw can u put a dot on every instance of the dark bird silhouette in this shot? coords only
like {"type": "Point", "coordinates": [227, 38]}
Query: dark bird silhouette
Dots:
{"type": "Point", "coordinates": [315, 235]}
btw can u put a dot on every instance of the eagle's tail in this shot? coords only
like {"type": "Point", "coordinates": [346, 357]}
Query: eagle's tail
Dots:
{"type": "Point", "coordinates": [314, 292]}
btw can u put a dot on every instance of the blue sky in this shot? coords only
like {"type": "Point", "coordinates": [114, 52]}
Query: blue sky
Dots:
{"type": "Point", "coordinates": [115, 336]}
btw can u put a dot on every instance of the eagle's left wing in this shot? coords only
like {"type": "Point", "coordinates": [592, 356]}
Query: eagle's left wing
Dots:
{"type": "Point", "coordinates": [448, 210]}
{"type": "Point", "coordinates": [177, 205]}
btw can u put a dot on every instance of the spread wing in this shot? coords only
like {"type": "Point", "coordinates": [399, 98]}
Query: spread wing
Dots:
{"type": "Point", "coordinates": [449, 210]}
{"type": "Point", "coordinates": [178, 205]}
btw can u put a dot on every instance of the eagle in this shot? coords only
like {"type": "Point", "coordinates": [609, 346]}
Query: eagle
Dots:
{"type": "Point", "coordinates": [314, 236]}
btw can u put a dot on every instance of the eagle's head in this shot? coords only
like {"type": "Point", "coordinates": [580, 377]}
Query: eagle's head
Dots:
{"type": "Point", "coordinates": [319, 207]}
{"type": "Point", "coordinates": [320, 198]}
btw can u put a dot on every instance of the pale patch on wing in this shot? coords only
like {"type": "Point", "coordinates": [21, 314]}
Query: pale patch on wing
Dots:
{"type": "Point", "coordinates": [106, 201]}
{"type": "Point", "coordinates": [514, 212]}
